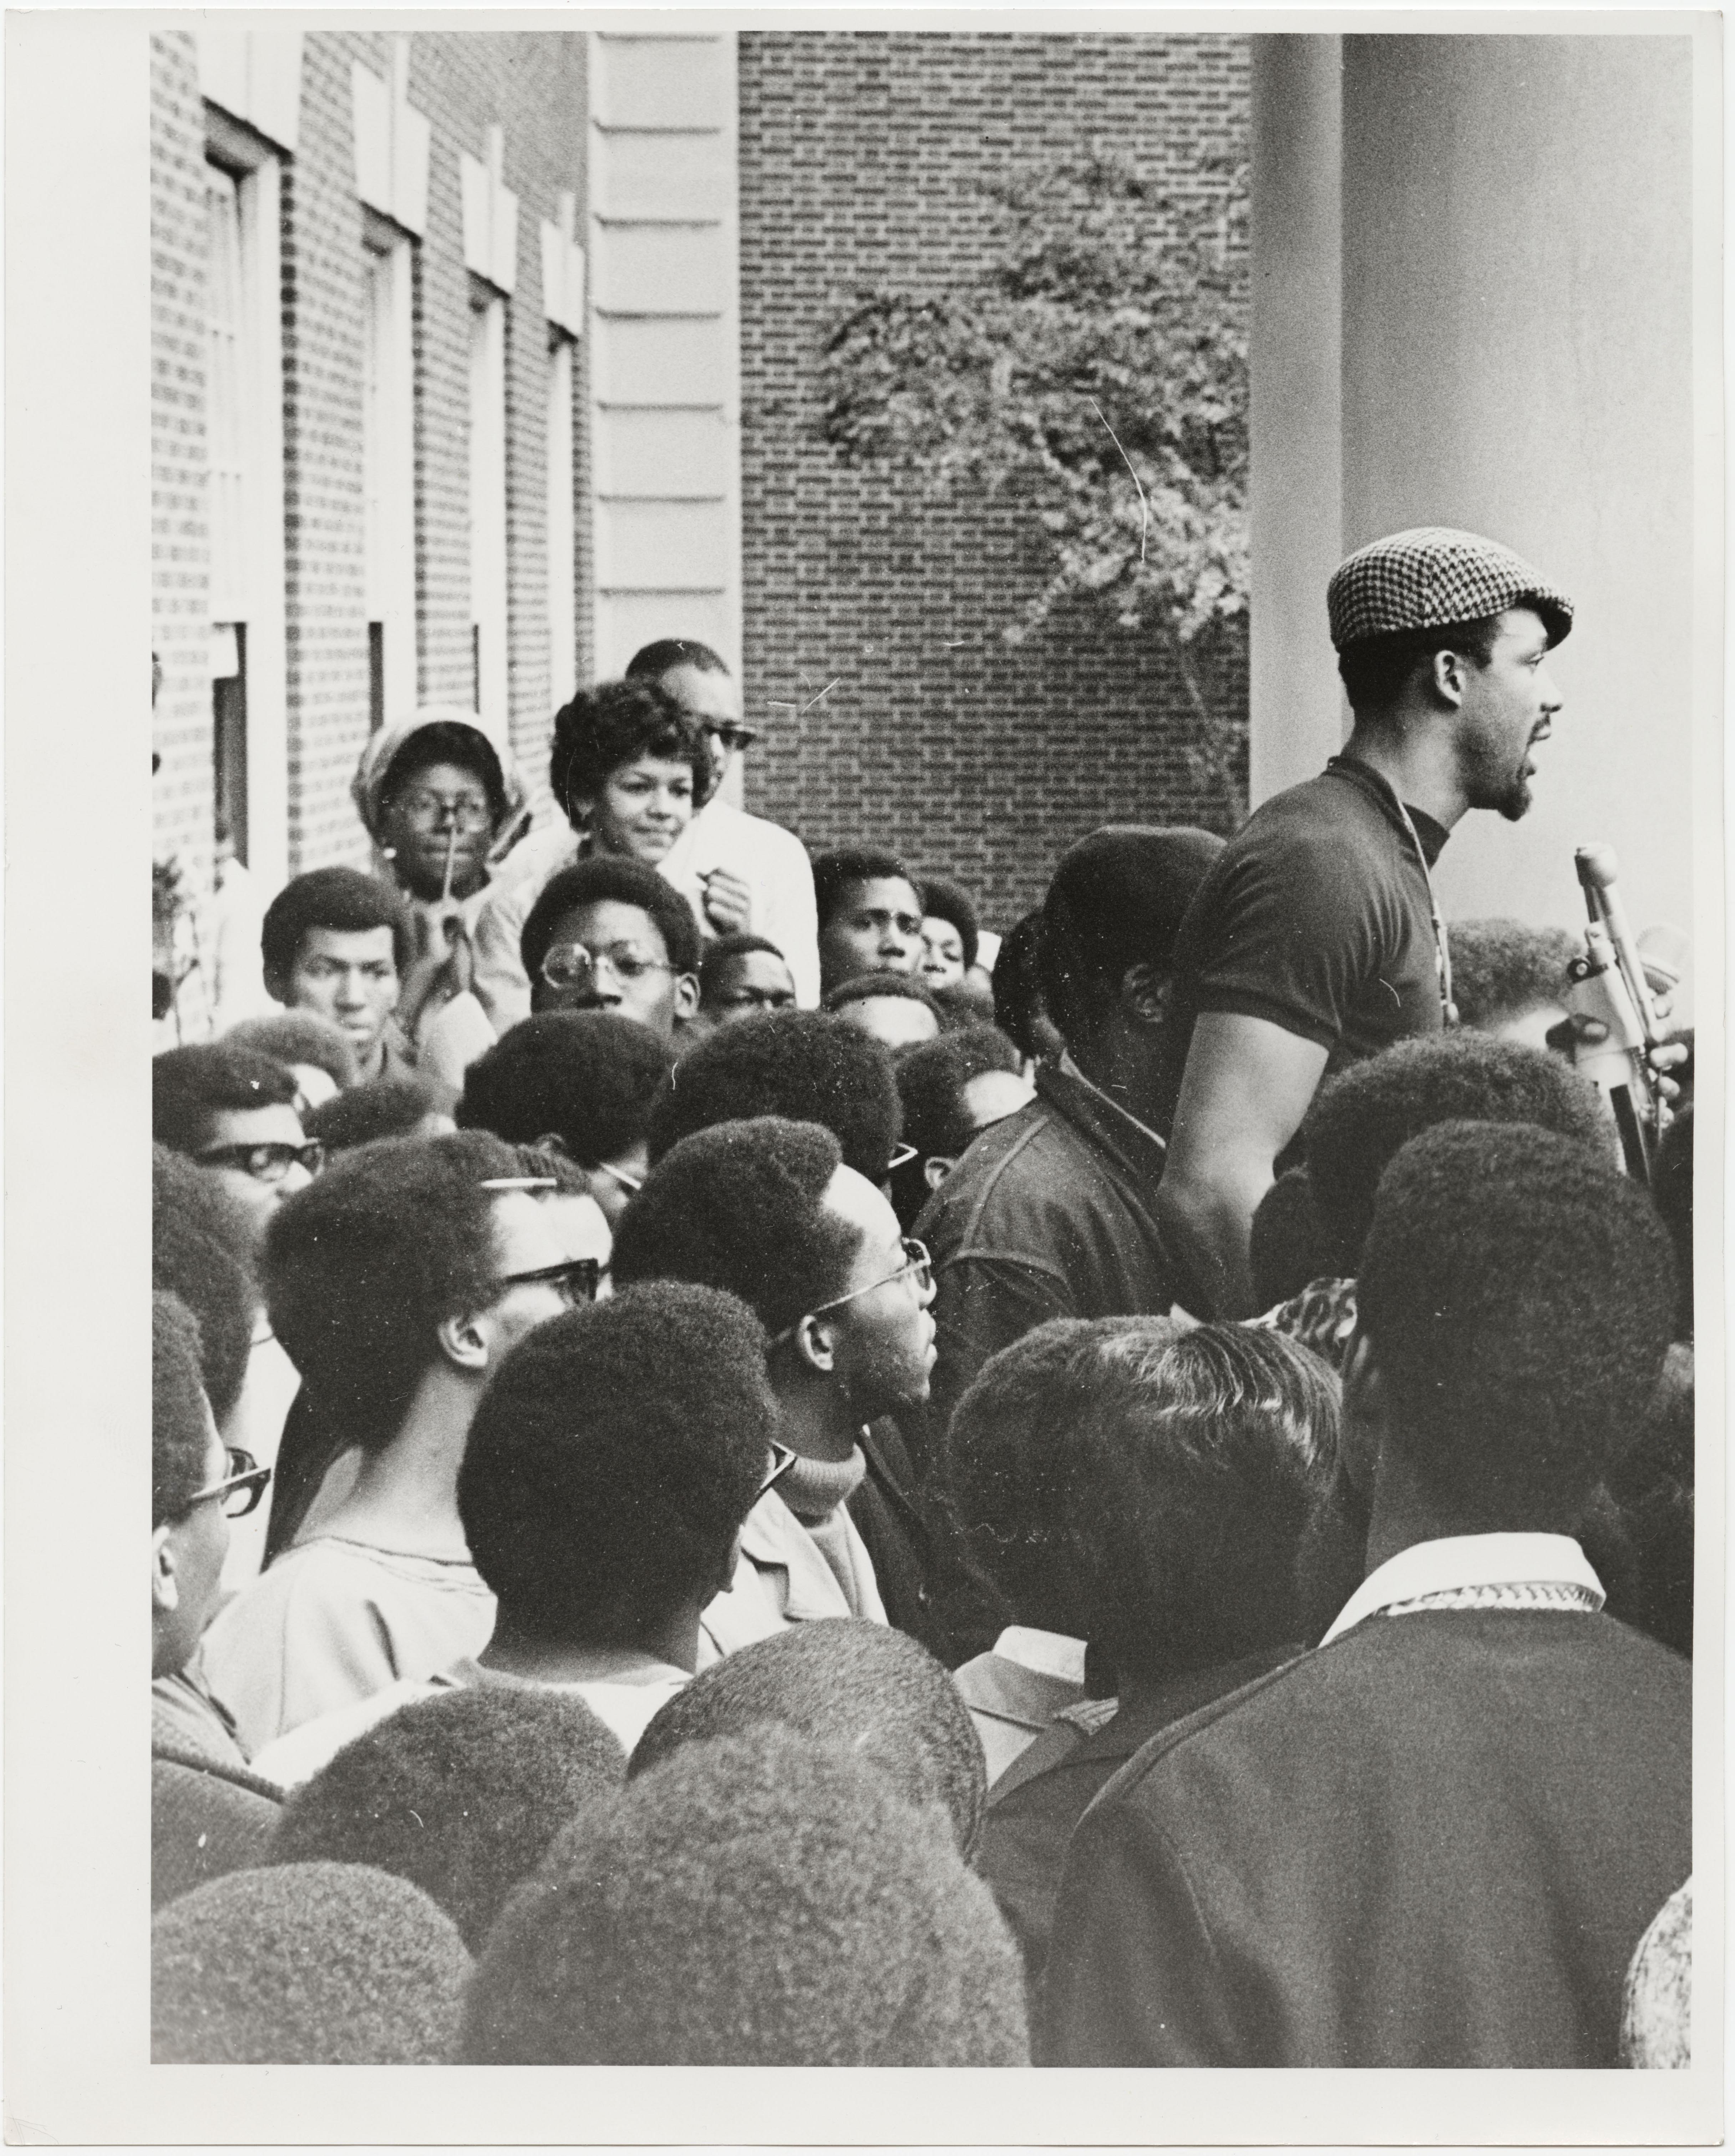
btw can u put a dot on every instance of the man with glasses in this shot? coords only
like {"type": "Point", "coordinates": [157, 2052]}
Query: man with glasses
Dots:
{"type": "Point", "coordinates": [207, 1814]}
{"type": "Point", "coordinates": [610, 934]}
{"type": "Point", "coordinates": [745, 875]}
{"type": "Point", "coordinates": [232, 1111]}
{"type": "Point", "coordinates": [395, 1284]}
{"type": "Point", "coordinates": [767, 1210]}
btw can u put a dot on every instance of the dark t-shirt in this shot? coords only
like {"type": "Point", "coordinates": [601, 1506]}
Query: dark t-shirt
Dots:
{"type": "Point", "coordinates": [1314, 918]}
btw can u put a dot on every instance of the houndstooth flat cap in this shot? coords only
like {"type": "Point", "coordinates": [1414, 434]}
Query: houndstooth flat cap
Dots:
{"type": "Point", "coordinates": [1431, 577]}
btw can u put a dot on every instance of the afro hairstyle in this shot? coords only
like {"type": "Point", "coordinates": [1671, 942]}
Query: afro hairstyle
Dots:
{"type": "Point", "coordinates": [860, 988]}
{"type": "Point", "coordinates": [741, 1207]}
{"type": "Point", "coordinates": [876, 1692]}
{"type": "Point", "coordinates": [1117, 901]}
{"type": "Point", "coordinates": [808, 1066]}
{"type": "Point", "coordinates": [931, 1082]}
{"type": "Point", "coordinates": [1358, 1120]}
{"type": "Point", "coordinates": [1021, 1002]}
{"type": "Point", "coordinates": [345, 899]}
{"type": "Point", "coordinates": [613, 1460]}
{"type": "Point", "coordinates": [1151, 1485]}
{"type": "Point", "coordinates": [298, 1036]}
{"type": "Point", "coordinates": [612, 724]}
{"type": "Point", "coordinates": [1289, 1245]}
{"type": "Point", "coordinates": [943, 900]}
{"type": "Point", "coordinates": [968, 1000]}
{"type": "Point", "coordinates": [190, 1086]}
{"type": "Point", "coordinates": [364, 1265]}
{"type": "Point", "coordinates": [756, 1900]}
{"type": "Point", "coordinates": [1502, 969]}
{"type": "Point", "coordinates": [837, 870]}
{"type": "Point", "coordinates": [460, 1794]}
{"type": "Point", "coordinates": [201, 1251]}
{"type": "Point", "coordinates": [628, 883]}
{"type": "Point", "coordinates": [395, 1107]}
{"type": "Point", "coordinates": [180, 1434]}
{"type": "Point", "coordinates": [1519, 1296]}
{"type": "Point", "coordinates": [585, 1077]}
{"type": "Point", "coordinates": [306, 1965]}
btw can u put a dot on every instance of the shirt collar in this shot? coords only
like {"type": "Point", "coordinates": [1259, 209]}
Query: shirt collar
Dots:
{"type": "Point", "coordinates": [1466, 1561]}
{"type": "Point", "coordinates": [1109, 1101]}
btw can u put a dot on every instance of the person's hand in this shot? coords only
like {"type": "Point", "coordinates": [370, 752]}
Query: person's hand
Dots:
{"type": "Point", "coordinates": [1577, 1033]}
{"type": "Point", "coordinates": [728, 902]}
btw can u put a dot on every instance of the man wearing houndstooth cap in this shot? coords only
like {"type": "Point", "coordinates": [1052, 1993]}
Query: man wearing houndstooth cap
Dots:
{"type": "Point", "coordinates": [1316, 940]}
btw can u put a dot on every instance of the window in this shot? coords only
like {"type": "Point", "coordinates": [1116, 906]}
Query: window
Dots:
{"type": "Point", "coordinates": [488, 503]}
{"type": "Point", "coordinates": [562, 536]}
{"type": "Point", "coordinates": [388, 469]}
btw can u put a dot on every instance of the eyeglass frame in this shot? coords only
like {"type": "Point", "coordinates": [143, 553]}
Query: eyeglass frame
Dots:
{"type": "Point", "coordinates": [783, 1457]}
{"type": "Point", "coordinates": [597, 958]}
{"type": "Point", "coordinates": [731, 733]}
{"type": "Point", "coordinates": [559, 1275]}
{"type": "Point", "coordinates": [224, 1155]}
{"type": "Point", "coordinates": [253, 1480]}
{"type": "Point", "coordinates": [441, 810]}
{"type": "Point", "coordinates": [924, 1263]}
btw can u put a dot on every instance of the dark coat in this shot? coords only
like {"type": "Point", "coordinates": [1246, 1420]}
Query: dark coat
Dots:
{"type": "Point", "coordinates": [931, 1586]}
{"type": "Point", "coordinates": [1435, 1842]}
{"type": "Point", "coordinates": [1049, 1213]}
{"type": "Point", "coordinates": [1036, 1803]}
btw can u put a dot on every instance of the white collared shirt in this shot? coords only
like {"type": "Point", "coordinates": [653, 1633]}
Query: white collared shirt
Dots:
{"type": "Point", "coordinates": [1465, 1563]}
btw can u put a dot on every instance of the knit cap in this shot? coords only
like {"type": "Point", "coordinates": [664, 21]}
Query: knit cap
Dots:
{"type": "Point", "coordinates": [877, 1692]}
{"type": "Point", "coordinates": [763, 1901]}
{"type": "Point", "coordinates": [305, 1965]}
{"type": "Point", "coordinates": [460, 1794]}
{"type": "Point", "coordinates": [1434, 578]}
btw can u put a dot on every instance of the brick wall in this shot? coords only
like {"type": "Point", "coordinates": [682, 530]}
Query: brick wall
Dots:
{"type": "Point", "coordinates": [860, 159]}
{"type": "Point", "coordinates": [533, 86]}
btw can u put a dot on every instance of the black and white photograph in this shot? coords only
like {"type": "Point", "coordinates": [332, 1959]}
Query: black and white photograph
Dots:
{"type": "Point", "coordinates": [935, 806]}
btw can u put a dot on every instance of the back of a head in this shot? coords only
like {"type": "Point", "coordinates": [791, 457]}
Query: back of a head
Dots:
{"type": "Point", "coordinates": [763, 1901]}
{"type": "Point", "coordinates": [613, 1460]}
{"type": "Point", "coordinates": [383, 1108]}
{"type": "Point", "coordinates": [342, 899]}
{"type": "Point", "coordinates": [1187, 1468]}
{"type": "Point", "coordinates": [306, 1964]}
{"type": "Point", "coordinates": [586, 1077]}
{"type": "Point", "coordinates": [1019, 1003]}
{"type": "Point", "coordinates": [652, 661]}
{"type": "Point", "coordinates": [191, 1085]}
{"type": "Point", "coordinates": [362, 1266]}
{"type": "Point", "coordinates": [460, 1794]}
{"type": "Point", "coordinates": [1502, 969]}
{"type": "Point", "coordinates": [740, 1207]}
{"type": "Point", "coordinates": [1289, 1246]}
{"type": "Point", "coordinates": [876, 1692]}
{"type": "Point", "coordinates": [863, 988]}
{"type": "Point", "coordinates": [179, 1437]}
{"type": "Point", "coordinates": [808, 1066]}
{"type": "Point", "coordinates": [1358, 1121]}
{"type": "Point", "coordinates": [931, 1082]}
{"type": "Point", "coordinates": [1117, 901]}
{"type": "Point", "coordinates": [619, 879]}
{"type": "Point", "coordinates": [298, 1036]}
{"type": "Point", "coordinates": [839, 868]}
{"type": "Point", "coordinates": [201, 1251]}
{"type": "Point", "coordinates": [1518, 1295]}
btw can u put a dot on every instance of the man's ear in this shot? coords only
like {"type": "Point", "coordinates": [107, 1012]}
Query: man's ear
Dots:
{"type": "Point", "coordinates": [1364, 1414]}
{"type": "Point", "coordinates": [165, 1586]}
{"type": "Point", "coordinates": [816, 1344]}
{"type": "Point", "coordinates": [725, 1579]}
{"type": "Point", "coordinates": [686, 997]}
{"type": "Point", "coordinates": [935, 1168]}
{"type": "Point", "coordinates": [464, 1341]}
{"type": "Point", "coordinates": [1145, 993]}
{"type": "Point", "coordinates": [1447, 669]}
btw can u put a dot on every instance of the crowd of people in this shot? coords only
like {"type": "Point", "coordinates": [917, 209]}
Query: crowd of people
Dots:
{"type": "Point", "coordinates": [748, 1471]}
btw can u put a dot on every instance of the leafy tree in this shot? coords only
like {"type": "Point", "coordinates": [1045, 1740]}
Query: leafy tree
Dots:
{"type": "Point", "coordinates": [1096, 368]}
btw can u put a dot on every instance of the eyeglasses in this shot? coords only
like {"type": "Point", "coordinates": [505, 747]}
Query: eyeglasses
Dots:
{"type": "Point", "coordinates": [239, 1491]}
{"type": "Point", "coordinates": [633, 1182]}
{"type": "Point", "coordinates": [782, 1458]}
{"type": "Point", "coordinates": [267, 1161]}
{"type": "Point", "coordinates": [466, 813]}
{"type": "Point", "coordinates": [730, 734]}
{"type": "Point", "coordinates": [901, 1157]}
{"type": "Point", "coordinates": [575, 1279]}
{"type": "Point", "coordinates": [572, 965]}
{"type": "Point", "coordinates": [917, 1267]}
